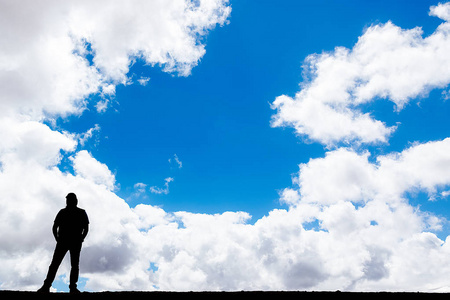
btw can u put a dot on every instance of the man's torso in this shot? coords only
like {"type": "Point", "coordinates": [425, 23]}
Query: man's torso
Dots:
{"type": "Point", "coordinates": [70, 222]}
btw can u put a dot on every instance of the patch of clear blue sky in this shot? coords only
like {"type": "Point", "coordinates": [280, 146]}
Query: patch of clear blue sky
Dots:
{"type": "Point", "coordinates": [217, 120]}
{"type": "Point", "coordinates": [61, 284]}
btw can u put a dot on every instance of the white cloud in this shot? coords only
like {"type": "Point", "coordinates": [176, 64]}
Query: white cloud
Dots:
{"type": "Point", "coordinates": [144, 81]}
{"type": "Point", "coordinates": [91, 169]}
{"type": "Point", "coordinates": [364, 240]}
{"type": "Point", "coordinates": [140, 187]}
{"type": "Point", "coordinates": [44, 66]}
{"type": "Point", "coordinates": [102, 105]}
{"type": "Point", "coordinates": [84, 137]}
{"type": "Point", "coordinates": [165, 189]}
{"type": "Point", "coordinates": [345, 175]}
{"type": "Point", "coordinates": [441, 11]}
{"type": "Point", "coordinates": [160, 32]}
{"type": "Point", "coordinates": [386, 62]}
{"type": "Point", "coordinates": [38, 69]}
{"type": "Point", "coordinates": [363, 209]}
{"type": "Point", "coordinates": [177, 161]}
{"type": "Point", "coordinates": [24, 141]}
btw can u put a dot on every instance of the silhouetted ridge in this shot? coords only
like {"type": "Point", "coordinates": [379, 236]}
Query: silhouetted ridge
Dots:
{"type": "Point", "coordinates": [223, 295]}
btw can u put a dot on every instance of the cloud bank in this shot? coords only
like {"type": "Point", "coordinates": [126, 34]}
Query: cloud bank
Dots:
{"type": "Point", "coordinates": [348, 224]}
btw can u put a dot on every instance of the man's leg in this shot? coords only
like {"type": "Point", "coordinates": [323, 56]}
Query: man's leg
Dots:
{"type": "Point", "coordinates": [58, 255]}
{"type": "Point", "coordinates": [75, 251]}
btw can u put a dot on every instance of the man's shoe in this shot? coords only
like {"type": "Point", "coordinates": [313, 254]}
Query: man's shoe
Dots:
{"type": "Point", "coordinates": [44, 290]}
{"type": "Point", "coordinates": [75, 291]}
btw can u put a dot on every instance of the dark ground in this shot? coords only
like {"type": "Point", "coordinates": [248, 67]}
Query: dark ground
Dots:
{"type": "Point", "coordinates": [5, 295]}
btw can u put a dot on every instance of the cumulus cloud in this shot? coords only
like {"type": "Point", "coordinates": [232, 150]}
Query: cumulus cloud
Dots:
{"type": "Point", "coordinates": [91, 169]}
{"type": "Point", "coordinates": [441, 11]}
{"type": "Point", "coordinates": [121, 31]}
{"type": "Point", "coordinates": [387, 62]}
{"type": "Point", "coordinates": [360, 242]}
{"type": "Point", "coordinates": [44, 66]}
{"type": "Point", "coordinates": [345, 175]}
{"type": "Point", "coordinates": [39, 70]}
{"type": "Point", "coordinates": [361, 208]}
{"type": "Point", "coordinates": [365, 238]}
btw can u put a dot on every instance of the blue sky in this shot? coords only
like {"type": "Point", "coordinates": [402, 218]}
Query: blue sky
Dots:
{"type": "Point", "coordinates": [175, 121]}
{"type": "Point", "coordinates": [217, 120]}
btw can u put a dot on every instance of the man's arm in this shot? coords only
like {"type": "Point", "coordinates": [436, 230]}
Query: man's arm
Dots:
{"type": "Point", "coordinates": [85, 232]}
{"type": "Point", "coordinates": [55, 231]}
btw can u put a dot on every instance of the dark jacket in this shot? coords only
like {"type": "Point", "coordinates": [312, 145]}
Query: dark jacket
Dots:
{"type": "Point", "coordinates": [71, 225]}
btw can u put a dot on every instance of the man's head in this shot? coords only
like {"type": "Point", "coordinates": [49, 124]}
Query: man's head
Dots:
{"type": "Point", "coordinates": [71, 200]}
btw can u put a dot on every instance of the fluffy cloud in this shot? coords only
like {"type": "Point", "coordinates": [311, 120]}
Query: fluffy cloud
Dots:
{"type": "Point", "coordinates": [26, 141]}
{"type": "Point", "coordinates": [387, 62]}
{"type": "Point", "coordinates": [88, 167]}
{"type": "Point", "coordinates": [160, 32]}
{"type": "Point", "coordinates": [360, 240]}
{"type": "Point", "coordinates": [344, 175]}
{"type": "Point", "coordinates": [38, 69]}
{"type": "Point", "coordinates": [44, 65]}
{"type": "Point", "coordinates": [360, 209]}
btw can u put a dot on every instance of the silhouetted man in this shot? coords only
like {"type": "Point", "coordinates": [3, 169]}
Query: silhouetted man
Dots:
{"type": "Point", "coordinates": [70, 228]}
